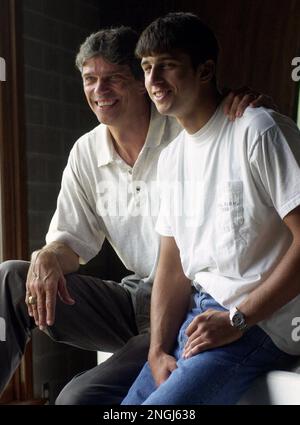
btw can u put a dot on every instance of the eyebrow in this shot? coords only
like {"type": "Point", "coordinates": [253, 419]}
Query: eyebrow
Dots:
{"type": "Point", "coordinates": [162, 57]}
{"type": "Point", "coordinates": [108, 74]}
{"type": "Point", "coordinates": [86, 74]}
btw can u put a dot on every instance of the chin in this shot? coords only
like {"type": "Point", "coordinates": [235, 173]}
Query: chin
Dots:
{"type": "Point", "coordinates": [162, 110]}
{"type": "Point", "coordinates": [105, 119]}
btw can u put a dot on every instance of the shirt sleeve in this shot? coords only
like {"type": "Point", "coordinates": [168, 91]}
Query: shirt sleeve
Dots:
{"type": "Point", "coordinates": [75, 222]}
{"type": "Point", "coordinates": [163, 223]}
{"type": "Point", "coordinates": [275, 162]}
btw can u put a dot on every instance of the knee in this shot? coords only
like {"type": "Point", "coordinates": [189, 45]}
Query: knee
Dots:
{"type": "Point", "coordinates": [13, 275]}
{"type": "Point", "coordinates": [71, 394]}
{"type": "Point", "coordinates": [86, 389]}
{"type": "Point", "coordinates": [14, 267]}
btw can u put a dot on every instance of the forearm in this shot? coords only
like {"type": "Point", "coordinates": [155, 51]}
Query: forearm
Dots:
{"type": "Point", "coordinates": [66, 257]}
{"type": "Point", "coordinates": [278, 289]}
{"type": "Point", "coordinates": [170, 299]}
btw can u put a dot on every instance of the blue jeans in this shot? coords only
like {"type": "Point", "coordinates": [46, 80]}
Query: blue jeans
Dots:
{"type": "Point", "coordinates": [217, 376]}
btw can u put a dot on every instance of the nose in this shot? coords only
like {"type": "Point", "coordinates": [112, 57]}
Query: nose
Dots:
{"type": "Point", "coordinates": [101, 85]}
{"type": "Point", "coordinates": [155, 75]}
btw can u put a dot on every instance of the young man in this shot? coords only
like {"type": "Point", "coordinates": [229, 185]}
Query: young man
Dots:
{"type": "Point", "coordinates": [229, 222]}
{"type": "Point", "coordinates": [105, 190]}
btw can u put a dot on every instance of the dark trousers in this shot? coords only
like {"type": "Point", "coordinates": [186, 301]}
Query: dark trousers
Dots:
{"type": "Point", "coordinates": [102, 319]}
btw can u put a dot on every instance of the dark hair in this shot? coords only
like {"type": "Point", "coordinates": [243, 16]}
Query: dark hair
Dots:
{"type": "Point", "coordinates": [179, 31]}
{"type": "Point", "coordinates": [115, 45]}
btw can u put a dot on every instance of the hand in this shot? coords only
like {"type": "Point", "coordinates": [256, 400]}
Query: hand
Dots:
{"type": "Point", "coordinates": [162, 366]}
{"type": "Point", "coordinates": [45, 280]}
{"type": "Point", "coordinates": [238, 100]}
{"type": "Point", "coordinates": [208, 330]}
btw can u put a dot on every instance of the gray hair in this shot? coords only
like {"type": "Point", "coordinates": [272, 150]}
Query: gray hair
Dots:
{"type": "Point", "coordinates": [116, 45]}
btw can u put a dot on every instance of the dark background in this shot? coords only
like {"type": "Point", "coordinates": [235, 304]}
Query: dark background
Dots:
{"type": "Point", "coordinates": [259, 39]}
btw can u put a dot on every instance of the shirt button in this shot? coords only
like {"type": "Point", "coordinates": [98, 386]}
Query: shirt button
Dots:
{"type": "Point", "coordinates": [130, 172]}
{"type": "Point", "coordinates": [138, 188]}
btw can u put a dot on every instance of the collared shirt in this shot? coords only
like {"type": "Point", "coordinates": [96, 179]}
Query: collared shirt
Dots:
{"type": "Point", "coordinates": [103, 197]}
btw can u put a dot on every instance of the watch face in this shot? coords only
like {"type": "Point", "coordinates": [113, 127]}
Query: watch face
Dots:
{"type": "Point", "coordinates": [238, 319]}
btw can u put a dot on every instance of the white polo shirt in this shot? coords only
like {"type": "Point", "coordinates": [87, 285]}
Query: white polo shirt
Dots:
{"type": "Point", "coordinates": [225, 191]}
{"type": "Point", "coordinates": [102, 196]}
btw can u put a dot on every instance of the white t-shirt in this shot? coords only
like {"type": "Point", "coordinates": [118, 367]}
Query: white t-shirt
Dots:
{"type": "Point", "coordinates": [102, 196]}
{"type": "Point", "coordinates": [225, 191]}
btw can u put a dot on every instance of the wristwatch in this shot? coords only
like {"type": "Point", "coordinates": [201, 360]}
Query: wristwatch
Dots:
{"type": "Point", "coordinates": [237, 319]}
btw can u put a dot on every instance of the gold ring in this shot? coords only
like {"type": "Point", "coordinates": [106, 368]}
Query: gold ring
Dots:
{"type": "Point", "coordinates": [32, 300]}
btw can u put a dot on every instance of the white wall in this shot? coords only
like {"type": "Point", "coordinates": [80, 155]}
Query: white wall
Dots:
{"type": "Point", "coordinates": [102, 356]}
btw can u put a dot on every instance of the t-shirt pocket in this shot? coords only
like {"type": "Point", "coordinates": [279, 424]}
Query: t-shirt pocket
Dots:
{"type": "Point", "coordinates": [230, 210]}
{"type": "Point", "coordinates": [229, 221]}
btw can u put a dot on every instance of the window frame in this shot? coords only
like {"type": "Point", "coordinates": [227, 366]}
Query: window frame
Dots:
{"type": "Point", "coordinates": [13, 169]}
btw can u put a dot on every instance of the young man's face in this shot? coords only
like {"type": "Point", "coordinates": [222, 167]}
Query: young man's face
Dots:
{"type": "Point", "coordinates": [111, 91]}
{"type": "Point", "coordinates": [171, 82]}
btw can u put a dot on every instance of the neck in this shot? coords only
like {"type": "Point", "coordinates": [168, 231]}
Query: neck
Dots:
{"type": "Point", "coordinates": [200, 114]}
{"type": "Point", "coordinates": [128, 141]}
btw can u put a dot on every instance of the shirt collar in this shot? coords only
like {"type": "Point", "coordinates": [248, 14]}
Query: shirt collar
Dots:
{"type": "Point", "coordinates": [107, 153]}
{"type": "Point", "coordinates": [156, 128]}
{"type": "Point", "coordinates": [154, 138]}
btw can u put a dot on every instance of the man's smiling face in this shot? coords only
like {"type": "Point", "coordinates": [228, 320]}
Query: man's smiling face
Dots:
{"type": "Point", "coordinates": [171, 82]}
{"type": "Point", "coordinates": [111, 90]}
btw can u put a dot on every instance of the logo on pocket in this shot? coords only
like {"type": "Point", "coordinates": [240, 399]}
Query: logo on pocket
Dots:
{"type": "Point", "coordinates": [230, 211]}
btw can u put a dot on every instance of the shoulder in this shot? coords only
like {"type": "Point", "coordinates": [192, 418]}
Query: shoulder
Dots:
{"type": "Point", "coordinates": [261, 125]}
{"type": "Point", "coordinates": [260, 120]}
{"type": "Point", "coordinates": [84, 155]}
{"type": "Point", "coordinates": [88, 147]}
{"type": "Point", "coordinates": [88, 140]}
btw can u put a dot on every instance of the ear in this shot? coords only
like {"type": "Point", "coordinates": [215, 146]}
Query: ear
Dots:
{"type": "Point", "coordinates": [206, 71]}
